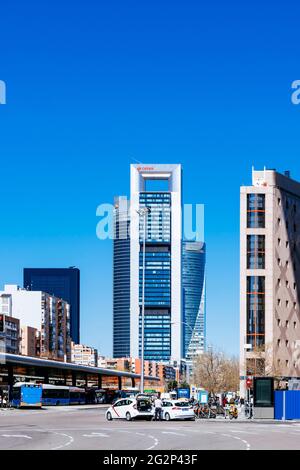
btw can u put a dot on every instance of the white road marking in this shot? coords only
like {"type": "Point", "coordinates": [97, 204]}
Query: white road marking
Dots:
{"type": "Point", "coordinates": [16, 435]}
{"type": "Point", "coordinates": [174, 433]}
{"type": "Point", "coordinates": [239, 439]}
{"type": "Point", "coordinates": [95, 434]}
{"type": "Point", "coordinates": [155, 442]}
{"type": "Point", "coordinates": [71, 440]}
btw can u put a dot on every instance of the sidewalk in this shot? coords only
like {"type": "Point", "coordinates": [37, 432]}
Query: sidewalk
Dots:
{"type": "Point", "coordinates": [58, 408]}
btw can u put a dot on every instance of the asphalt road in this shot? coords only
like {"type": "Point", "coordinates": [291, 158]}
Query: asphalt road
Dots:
{"type": "Point", "coordinates": [86, 428]}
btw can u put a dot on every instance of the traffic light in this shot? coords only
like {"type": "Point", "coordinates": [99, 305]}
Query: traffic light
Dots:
{"type": "Point", "coordinates": [1, 323]}
{"type": "Point", "coordinates": [249, 383]}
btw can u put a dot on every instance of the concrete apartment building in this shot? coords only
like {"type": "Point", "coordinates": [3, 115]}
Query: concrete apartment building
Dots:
{"type": "Point", "coordinates": [9, 327]}
{"type": "Point", "coordinates": [84, 355]}
{"type": "Point", "coordinates": [269, 276]}
{"type": "Point", "coordinates": [29, 341]}
{"type": "Point", "coordinates": [44, 312]}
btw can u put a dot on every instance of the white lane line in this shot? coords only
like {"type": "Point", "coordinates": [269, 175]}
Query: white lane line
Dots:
{"type": "Point", "coordinates": [155, 442]}
{"type": "Point", "coordinates": [242, 432]}
{"type": "Point", "coordinates": [95, 434]}
{"type": "Point", "coordinates": [71, 440]}
{"type": "Point", "coordinates": [239, 439]}
{"type": "Point", "coordinates": [16, 435]}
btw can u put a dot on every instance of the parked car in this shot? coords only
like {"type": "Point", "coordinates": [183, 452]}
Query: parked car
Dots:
{"type": "Point", "coordinates": [131, 408]}
{"type": "Point", "coordinates": [177, 409]}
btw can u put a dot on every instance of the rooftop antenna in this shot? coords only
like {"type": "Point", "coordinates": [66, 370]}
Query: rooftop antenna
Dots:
{"type": "Point", "coordinates": [137, 161]}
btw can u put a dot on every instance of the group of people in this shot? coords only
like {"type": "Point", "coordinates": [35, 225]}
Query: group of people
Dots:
{"type": "Point", "coordinates": [211, 409]}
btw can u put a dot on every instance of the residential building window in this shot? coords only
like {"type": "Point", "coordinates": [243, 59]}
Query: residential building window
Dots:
{"type": "Point", "coordinates": [256, 210]}
{"type": "Point", "coordinates": [256, 310]}
{"type": "Point", "coordinates": [255, 252]}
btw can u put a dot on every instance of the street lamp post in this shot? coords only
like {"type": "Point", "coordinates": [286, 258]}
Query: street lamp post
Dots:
{"type": "Point", "coordinates": [183, 323]}
{"type": "Point", "coordinates": [143, 212]}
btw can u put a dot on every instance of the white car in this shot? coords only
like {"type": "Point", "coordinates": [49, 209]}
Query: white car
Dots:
{"type": "Point", "coordinates": [176, 409]}
{"type": "Point", "coordinates": [130, 408]}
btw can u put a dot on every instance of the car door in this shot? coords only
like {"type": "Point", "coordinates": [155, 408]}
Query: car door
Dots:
{"type": "Point", "coordinates": [124, 407]}
{"type": "Point", "coordinates": [117, 409]}
{"type": "Point", "coordinates": [166, 407]}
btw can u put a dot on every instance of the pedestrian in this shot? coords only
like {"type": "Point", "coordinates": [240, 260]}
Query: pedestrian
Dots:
{"type": "Point", "coordinates": [158, 408]}
{"type": "Point", "coordinates": [4, 402]}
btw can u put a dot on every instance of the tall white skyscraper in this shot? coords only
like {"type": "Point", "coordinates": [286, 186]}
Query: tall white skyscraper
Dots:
{"type": "Point", "coordinates": [157, 187]}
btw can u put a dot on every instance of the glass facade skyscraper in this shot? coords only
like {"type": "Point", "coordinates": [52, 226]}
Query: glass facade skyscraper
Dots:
{"type": "Point", "coordinates": [121, 279]}
{"type": "Point", "coordinates": [157, 275]}
{"type": "Point", "coordinates": [63, 283]}
{"type": "Point", "coordinates": [157, 187]}
{"type": "Point", "coordinates": [193, 286]}
{"type": "Point", "coordinates": [174, 289]}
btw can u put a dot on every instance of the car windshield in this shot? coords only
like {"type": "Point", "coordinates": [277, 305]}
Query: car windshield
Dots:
{"type": "Point", "coordinates": [182, 404]}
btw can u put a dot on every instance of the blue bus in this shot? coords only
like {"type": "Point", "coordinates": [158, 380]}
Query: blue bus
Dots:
{"type": "Point", "coordinates": [62, 395]}
{"type": "Point", "coordinates": [77, 396]}
{"type": "Point", "coordinates": [25, 394]}
{"type": "Point", "coordinates": [55, 395]}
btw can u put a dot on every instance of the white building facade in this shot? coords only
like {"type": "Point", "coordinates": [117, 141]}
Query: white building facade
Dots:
{"type": "Point", "coordinates": [84, 355]}
{"type": "Point", "coordinates": [163, 288]}
{"type": "Point", "coordinates": [48, 314]}
{"type": "Point", "coordinates": [269, 276]}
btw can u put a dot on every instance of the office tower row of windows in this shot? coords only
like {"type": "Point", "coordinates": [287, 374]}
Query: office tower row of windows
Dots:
{"type": "Point", "coordinates": [193, 285]}
{"type": "Point", "coordinates": [121, 284]}
{"type": "Point", "coordinates": [256, 208]}
{"type": "Point", "coordinates": [157, 339]}
{"type": "Point", "coordinates": [157, 345]}
{"type": "Point", "coordinates": [158, 225]}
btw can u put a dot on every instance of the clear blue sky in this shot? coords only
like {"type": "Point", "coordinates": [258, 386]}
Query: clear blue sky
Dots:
{"type": "Point", "coordinates": [94, 85]}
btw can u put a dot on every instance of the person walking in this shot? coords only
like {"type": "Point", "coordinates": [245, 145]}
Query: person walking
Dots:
{"type": "Point", "coordinates": [158, 409]}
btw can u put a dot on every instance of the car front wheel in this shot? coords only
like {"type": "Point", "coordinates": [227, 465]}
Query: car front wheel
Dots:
{"type": "Point", "coordinates": [109, 416]}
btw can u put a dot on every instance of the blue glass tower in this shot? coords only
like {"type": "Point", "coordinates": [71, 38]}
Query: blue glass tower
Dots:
{"type": "Point", "coordinates": [121, 279]}
{"type": "Point", "coordinates": [193, 286]}
{"type": "Point", "coordinates": [60, 282]}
